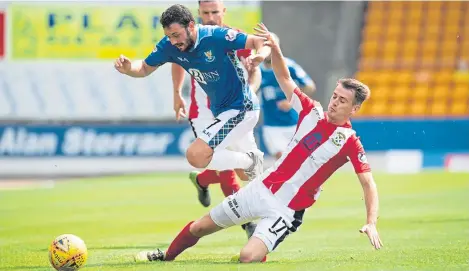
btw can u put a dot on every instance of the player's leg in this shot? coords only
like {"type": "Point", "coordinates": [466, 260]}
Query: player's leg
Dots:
{"type": "Point", "coordinates": [201, 180]}
{"type": "Point", "coordinates": [270, 232]}
{"type": "Point", "coordinates": [228, 182]}
{"type": "Point", "coordinates": [209, 150]}
{"type": "Point", "coordinates": [278, 221]}
{"type": "Point", "coordinates": [246, 144]}
{"type": "Point", "coordinates": [229, 185]}
{"type": "Point", "coordinates": [187, 237]}
{"type": "Point", "coordinates": [234, 210]}
{"type": "Point", "coordinates": [241, 139]}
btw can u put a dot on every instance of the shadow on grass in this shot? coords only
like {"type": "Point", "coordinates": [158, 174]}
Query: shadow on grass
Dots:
{"type": "Point", "coordinates": [143, 247]}
{"type": "Point", "coordinates": [131, 263]}
{"type": "Point", "coordinates": [28, 267]}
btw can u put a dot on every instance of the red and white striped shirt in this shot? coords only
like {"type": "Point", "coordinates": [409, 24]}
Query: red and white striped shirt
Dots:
{"type": "Point", "coordinates": [200, 103]}
{"type": "Point", "coordinates": [315, 152]}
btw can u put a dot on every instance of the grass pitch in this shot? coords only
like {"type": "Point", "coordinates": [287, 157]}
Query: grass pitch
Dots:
{"type": "Point", "coordinates": [424, 224]}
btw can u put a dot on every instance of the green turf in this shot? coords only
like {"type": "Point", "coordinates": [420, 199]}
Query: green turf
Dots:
{"type": "Point", "coordinates": [424, 224]}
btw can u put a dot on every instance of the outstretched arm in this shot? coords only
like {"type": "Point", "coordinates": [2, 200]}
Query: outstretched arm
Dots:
{"type": "Point", "coordinates": [142, 68]}
{"type": "Point", "coordinates": [282, 74]}
{"type": "Point", "coordinates": [370, 193]}
{"type": "Point", "coordinates": [257, 43]}
{"type": "Point", "coordinates": [136, 68]}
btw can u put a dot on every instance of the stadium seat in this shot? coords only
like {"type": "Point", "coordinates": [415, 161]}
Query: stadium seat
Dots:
{"type": "Point", "coordinates": [438, 108]}
{"type": "Point", "coordinates": [379, 109]}
{"type": "Point", "coordinates": [460, 108]}
{"type": "Point", "coordinates": [434, 5]}
{"type": "Point", "coordinates": [398, 109]}
{"type": "Point", "coordinates": [6, 108]}
{"type": "Point", "coordinates": [403, 78]}
{"type": "Point", "coordinates": [420, 93]}
{"type": "Point", "coordinates": [411, 32]}
{"type": "Point", "coordinates": [379, 94]}
{"type": "Point", "coordinates": [442, 78]}
{"type": "Point", "coordinates": [400, 94]}
{"type": "Point", "coordinates": [417, 108]}
{"type": "Point", "coordinates": [412, 64]}
{"type": "Point", "coordinates": [393, 32]}
{"type": "Point", "coordinates": [461, 92]}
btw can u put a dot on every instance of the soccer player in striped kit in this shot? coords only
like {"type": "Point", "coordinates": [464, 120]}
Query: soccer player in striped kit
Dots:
{"type": "Point", "coordinates": [279, 118]}
{"type": "Point", "coordinates": [323, 142]}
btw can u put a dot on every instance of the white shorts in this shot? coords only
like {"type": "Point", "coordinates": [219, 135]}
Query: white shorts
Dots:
{"type": "Point", "coordinates": [198, 124]}
{"type": "Point", "coordinates": [277, 138]}
{"type": "Point", "coordinates": [231, 129]}
{"type": "Point", "coordinates": [255, 201]}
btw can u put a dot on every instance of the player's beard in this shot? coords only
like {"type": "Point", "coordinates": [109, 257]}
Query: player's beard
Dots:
{"type": "Point", "coordinates": [189, 41]}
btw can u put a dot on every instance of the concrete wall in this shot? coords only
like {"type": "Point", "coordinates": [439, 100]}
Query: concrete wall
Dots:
{"type": "Point", "coordinates": [323, 37]}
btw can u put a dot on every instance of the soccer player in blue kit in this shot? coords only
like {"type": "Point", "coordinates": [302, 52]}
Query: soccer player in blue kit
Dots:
{"type": "Point", "coordinates": [280, 119]}
{"type": "Point", "coordinates": [208, 53]}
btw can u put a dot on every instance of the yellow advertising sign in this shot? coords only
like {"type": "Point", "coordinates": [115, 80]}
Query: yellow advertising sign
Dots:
{"type": "Point", "coordinates": [78, 31]}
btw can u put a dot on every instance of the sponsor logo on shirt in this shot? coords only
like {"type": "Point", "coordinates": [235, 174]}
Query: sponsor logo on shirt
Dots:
{"type": "Point", "coordinates": [231, 35]}
{"type": "Point", "coordinates": [204, 77]}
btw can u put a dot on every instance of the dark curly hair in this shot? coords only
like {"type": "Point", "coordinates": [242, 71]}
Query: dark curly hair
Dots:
{"type": "Point", "coordinates": [176, 14]}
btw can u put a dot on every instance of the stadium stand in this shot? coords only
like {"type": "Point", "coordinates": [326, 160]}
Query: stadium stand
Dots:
{"type": "Point", "coordinates": [74, 91]}
{"type": "Point", "coordinates": [415, 58]}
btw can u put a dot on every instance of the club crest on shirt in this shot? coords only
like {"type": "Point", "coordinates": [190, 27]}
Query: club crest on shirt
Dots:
{"type": "Point", "coordinates": [339, 139]}
{"type": "Point", "coordinates": [155, 49]}
{"type": "Point", "coordinates": [209, 57]}
{"type": "Point", "coordinates": [362, 158]}
{"type": "Point", "coordinates": [231, 35]}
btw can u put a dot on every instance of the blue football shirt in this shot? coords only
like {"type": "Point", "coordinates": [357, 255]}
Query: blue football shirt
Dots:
{"type": "Point", "coordinates": [271, 93]}
{"type": "Point", "coordinates": [213, 63]}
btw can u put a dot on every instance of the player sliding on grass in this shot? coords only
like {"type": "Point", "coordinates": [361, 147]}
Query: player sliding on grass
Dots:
{"type": "Point", "coordinates": [322, 143]}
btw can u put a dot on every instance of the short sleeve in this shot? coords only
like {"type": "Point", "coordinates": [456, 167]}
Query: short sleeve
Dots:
{"type": "Point", "coordinates": [357, 156]}
{"type": "Point", "coordinates": [301, 101]}
{"type": "Point", "coordinates": [159, 55]}
{"type": "Point", "coordinates": [230, 39]}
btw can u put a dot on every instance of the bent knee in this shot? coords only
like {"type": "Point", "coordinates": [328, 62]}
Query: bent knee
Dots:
{"type": "Point", "coordinates": [203, 226]}
{"type": "Point", "coordinates": [199, 155]}
{"type": "Point", "coordinates": [197, 229]}
{"type": "Point", "coordinates": [250, 257]}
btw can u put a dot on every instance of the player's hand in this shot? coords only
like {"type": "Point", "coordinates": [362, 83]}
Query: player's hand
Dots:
{"type": "Point", "coordinates": [245, 64]}
{"type": "Point", "coordinates": [179, 106]}
{"type": "Point", "coordinates": [372, 232]}
{"type": "Point", "coordinates": [284, 105]}
{"type": "Point", "coordinates": [122, 64]}
{"type": "Point", "coordinates": [262, 31]}
{"type": "Point", "coordinates": [252, 62]}
{"type": "Point", "coordinates": [249, 67]}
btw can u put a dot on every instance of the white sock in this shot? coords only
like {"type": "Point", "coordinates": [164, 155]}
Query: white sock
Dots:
{"type": "Point", "coordinates": [226, 160]}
